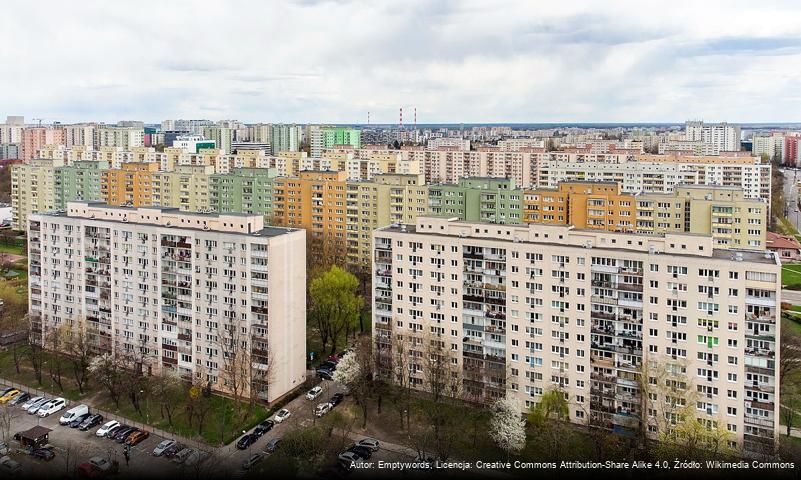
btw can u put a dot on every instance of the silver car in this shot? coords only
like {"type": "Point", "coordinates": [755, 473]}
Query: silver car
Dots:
{"type": "Point", "coordinates": [37, 405]}
{"type": "Point", "coordinates": [370, 443]}
{"type": "Point", "coordinates": [164, 445]}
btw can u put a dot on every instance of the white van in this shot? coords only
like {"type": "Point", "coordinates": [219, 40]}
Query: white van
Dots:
{"type": "Point", "coordinates": [73, 413]}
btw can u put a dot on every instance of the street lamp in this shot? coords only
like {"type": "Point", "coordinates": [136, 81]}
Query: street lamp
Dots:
{"type": "Point", "coordinates": [147, 406]}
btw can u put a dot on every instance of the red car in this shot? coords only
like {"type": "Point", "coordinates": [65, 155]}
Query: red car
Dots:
{"type": "Point", "coordinates": [86, 470]}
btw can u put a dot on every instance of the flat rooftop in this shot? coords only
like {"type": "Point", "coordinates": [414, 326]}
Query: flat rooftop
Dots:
{"type": "Point", "coordinates": [751, 256]}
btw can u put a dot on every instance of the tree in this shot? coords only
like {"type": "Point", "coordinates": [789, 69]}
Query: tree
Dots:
{"type": "Point", "coordinates": [237, 363]}
{"type": "Point", "coordinates": [108, 370]}
{"type": "Point", "coordinates": [791, 404]}
{"type": "Point", "coordinates": [7, 415]}
{"type": "Point", "coordinates": [53, 343]}
{"type": "Point", "coordinates": [548, 417]}
{"type": "Point", "coordinates": [79, 349]}
{"type": "Point", "coordinates": [171, 392]}
{"type": "Point", "coordinates": [353, 373]}
{"type": "Point", "coordinates": [507, 429]}
{"type": "Point", "coordinates": [334, 305]}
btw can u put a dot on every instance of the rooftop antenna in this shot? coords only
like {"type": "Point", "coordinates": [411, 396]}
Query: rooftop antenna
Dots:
{"type": "Point", "coordinates": [39, 120]}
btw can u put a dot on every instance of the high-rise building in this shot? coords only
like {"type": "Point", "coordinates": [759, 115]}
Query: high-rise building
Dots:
{"type": "Point", "coordinates": [719, 137]}
{"type": "Point", "coordinates": [518, 310]}
{"type": "Point", "coordinates": [80, 135]}
{"type": "Point", "coordinates": [34, 138]}
{"type": "Point", "coordinates": [186, 187]}
{"type": "Point", "coordinates": [316, 202]}
{"type": "Point", "coordinates": [221, 136]}
{"type": "Point", "coordinates": [126, 138]}
{"type": "Point", "coordinates": [385, 199]}
{"type": "Point", "coordinates": [243, 190]}
{"type": "Point", "coordinates": [131, 185]}
{"type": "Point", "coordinates": [330, 137]}
{"type": "Point", "coordinates": [32, 190]}
{"type": "Point", "coordinates": [78, 181]}
{"type": "Point", "coordinates": [478, 200]}
{"type": "Point", "coordinates": [285, 138]}
{"type": "Point", "coordinates": [771, 146]}
{"type": "Point", "coordinates": [732, 220]}
{"type": "Point", "coordinates": [193, 143]}
{"type": "Point", "coordinates": [190, 293]}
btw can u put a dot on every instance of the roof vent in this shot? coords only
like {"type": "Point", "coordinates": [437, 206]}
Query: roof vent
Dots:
{"type": "Point", "coordinates": [738, 256]}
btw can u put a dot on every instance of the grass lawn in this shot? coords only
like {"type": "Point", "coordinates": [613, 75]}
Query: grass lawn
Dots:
{"type": "Point", "coordinates": [18, 249]}
{"type": "Point", "coordinates": [791, 274]}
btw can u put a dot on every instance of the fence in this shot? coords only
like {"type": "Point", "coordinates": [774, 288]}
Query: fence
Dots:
{"type": "Point", "coordinates": [108, 416]}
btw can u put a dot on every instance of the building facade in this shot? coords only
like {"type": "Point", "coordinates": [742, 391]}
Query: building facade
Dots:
{"type": "Point", "coordinates": [79, 181]}
{"type": "Point", "coordinates": [732, 220]}
{"type": "Point", "coordinates": [127, 276]}
{"type": "Point", "coordinates": [493, 200]}
{"type": "Point", "coordinates": [244, 190]}
{"type": "Point", "coordinates": [130, 185]}
{"type": "Point", "coordinates": [633, 330]}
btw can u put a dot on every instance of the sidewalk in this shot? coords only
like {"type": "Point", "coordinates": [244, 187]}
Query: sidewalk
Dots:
{"type": "Point", "coordinates": [108, 416]}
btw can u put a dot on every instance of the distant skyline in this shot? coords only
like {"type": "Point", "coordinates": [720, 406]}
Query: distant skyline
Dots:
{"type": "Point", "coordinates": [315, 61]}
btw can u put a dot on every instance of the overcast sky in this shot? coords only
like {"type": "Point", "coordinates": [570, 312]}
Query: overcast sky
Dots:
{"type": "Point", "coordinates": [456, 61]}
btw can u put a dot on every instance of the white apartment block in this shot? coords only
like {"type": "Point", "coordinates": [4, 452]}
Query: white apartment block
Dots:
{"type": "Point", "coordinates": [448, 142]}
{"type": "Point", "coordinates": [770, 145]}
{"type": "Point", "coordinates": [516, 144]}
{"type": "Point", "coordinates": [184, 289]}
{"type": "Point", "coordinates": [720, 137]}
{"type": "Point", "coordinates": [516, 311]}
{"type": "Point", "coordinates": [638, 176]}
{"type": "Point", "coordinates": [127, 138]}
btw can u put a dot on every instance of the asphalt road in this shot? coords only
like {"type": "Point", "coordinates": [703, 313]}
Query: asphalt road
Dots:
{"type": "Point", "coordinates": [791, 210]}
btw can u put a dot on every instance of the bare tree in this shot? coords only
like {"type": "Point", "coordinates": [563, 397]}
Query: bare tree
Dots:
{"type": "Point", "coordinates": [7, 416]}
{"type": "Point", "coordinates": [108, 370]}
{"type": "Point", "coordinates": [52, 339]}
{"type": "Point", "coordinates": [170, 391]}
{"type": "Point", "coordinates": [79, 348]}
{"type": "Point", "coordinates": [236, 364]}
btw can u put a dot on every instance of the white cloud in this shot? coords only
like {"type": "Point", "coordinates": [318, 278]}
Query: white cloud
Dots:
{"type": "Point", "coordinates": [471, 61]}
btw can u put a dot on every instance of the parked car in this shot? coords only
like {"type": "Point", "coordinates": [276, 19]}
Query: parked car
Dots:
{"type": "Point", "coordinates": [324, 373]}
{"type": "Point", "coordinates": [181, 456]}
{"type": "Point", "coordinates": [124, 436]}
{"type": "Point", "coordinates": [162, 447]}
{"type": "Point", "coordinates": [272, 445]}
{"type": "Point", "coordinates": [10, 395]}
{"type": "Point", "coordinates": [253, 460]}
{"type": "Point", "coordinates": [334, 358]}
{"type": "Point", "coordinates": [173, 450]}
{"type": "Point", "coordinates": [79, 420]}
{"type": "Point", "coordinates": [126, 430]}
{"type": "Point", "coordinates": [362, 452]}
{"type": "Point", "coordinates": [35, 406]}
{"type": "Point", "coordinates": [328, 365]}
{"type": "Point", "coordinates": [106, 428]}
{"type": "Point", "coordinates": [137, 437]}
{"type": "Point", "coordinates": [246, 441]}
{"type": "Point", "coordinates": [8, 466]}
{"type": "Point", "coordinates": [114, 431]}
{"type": "Point", "coordinates": [370, 443]}
{"type": "Point", "coordinates": [73, 413]}
{"type": "Point", "coordinates": [90, 421]}
{"type": "Point", "coordinates": [264, 427]}
{"type": "Point", "coordinates": [32, 401]}
{"type": "Point", "coordinates": [3, 449]}
{"type": "Point", "coordinates": [6, 390]}
{"type": "Point", "coordinates": [86, 470]}
{"type": "Point", "coordinates": [348, 460]}
{"type": "Point", "coordinates": [322, 409]}
{"type": "Point", "coordinates": [20, 399]}
{"type": "Point", "coordinates": [336, 399]}
{"type": "Point", "coordinates": [52, 407]}
{"type": "Point", "coordinates": [314, 393]}
{"type": "Point", "coordinates": [282, 415]}
{"type": "Point", "coordinates": [45, 454]}
{"type": "Point", "coordinates": [101, 464]}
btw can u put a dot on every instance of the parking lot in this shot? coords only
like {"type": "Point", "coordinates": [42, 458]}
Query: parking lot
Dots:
{"type": "Point", "coordinates": [73, 446]}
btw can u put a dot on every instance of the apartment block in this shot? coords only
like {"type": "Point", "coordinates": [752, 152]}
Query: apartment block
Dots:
{"type": "Point", "coordinates": [78, 181]}
{"type": "Point", "coordinates": [315, 201]}
{"type": "Point", "coordinates": [328, 137]}
{"type": "Point", "coordinates": [717, 137]}
{"type": "Point", "coordinates": [130, 185]}
{"type": "Point", "coordinates": [244, 190]}
{"type": "Point", "coordinates": [662, 173]}
{"type": "Point", "coordinates": [33, 190]}
{"type": "Point", "coordinates": [518, 310]}
{"type": "Point", "coordinates": [386, 199]}
{"type": "Point", "coordinates": [187, 292]}
{"type": "Point", "coordinates": [126, 138]}
{"type": "Point", "coordinates": [732, 220]}
{"type": "Point", "coordinates": [492, 200]}
{"type": "Point", "coordinates": [34, 138]}
{"type": "Point", "coordinates": [186, 187]}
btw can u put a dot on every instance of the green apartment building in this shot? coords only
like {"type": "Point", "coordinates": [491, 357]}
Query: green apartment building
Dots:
{"type": "Point", "coordinates": [243, 190]}
{"type": "Point", "coordinates": [79, 181]}
{"type": "Point", "coordinates": [477, 199]}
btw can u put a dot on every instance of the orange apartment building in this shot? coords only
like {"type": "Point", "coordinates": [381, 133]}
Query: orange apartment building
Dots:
{"type": "Point", "coordinates": [315, 200]}
{"type": "Point", "coordinates": [586, 205]}
{"type": "Point", "coordinates": [132, 184]}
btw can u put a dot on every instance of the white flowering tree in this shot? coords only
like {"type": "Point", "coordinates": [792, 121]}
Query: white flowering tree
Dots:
{"type": "Point", "coordinates": [349, 371]}
{"type": "Point", "coordinates": [507, 428]}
